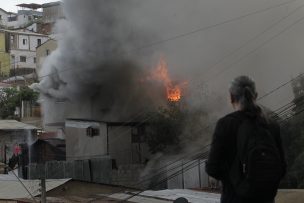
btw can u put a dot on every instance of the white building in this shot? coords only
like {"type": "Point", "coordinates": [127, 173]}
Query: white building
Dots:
{"type": "Point", "coordinates": [52, 12]}
{"type": "Point", "coordinates": [22, 48]}
{"type": "Point", "coordinates": [22, 19]}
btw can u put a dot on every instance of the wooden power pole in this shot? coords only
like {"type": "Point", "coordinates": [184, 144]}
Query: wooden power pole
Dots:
{"type": "Point", "coordinates": [43, 191]}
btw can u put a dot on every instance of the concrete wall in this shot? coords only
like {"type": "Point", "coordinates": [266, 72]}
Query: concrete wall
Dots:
{"type": "Point", "coordinates": [25, 44]}
{"type": "Point", "coordinates": [79, 145]}
{"type": "Point", "coordinates": [52, 13]}
{"type": "Point", "coordinates": [42, 52]}
{"type": "Point", "coordinates": [4, 57]}
{"type": "Point", "coordinates": [3, 18]}
{"type": "Point", "coordinates": [15, 59]}
{"type": "Point", "coordinates": [120, 147]}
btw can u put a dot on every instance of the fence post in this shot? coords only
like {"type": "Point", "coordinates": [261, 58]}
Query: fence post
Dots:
{"type": "Point", "coordinates": [183, 183]}
{"type": "Point", "coordinates": [199, 173]}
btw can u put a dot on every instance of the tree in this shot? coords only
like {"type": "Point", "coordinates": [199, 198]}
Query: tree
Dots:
{"type": "Point", "coordinates": [174, 129]}
{"type": "Point", "coordinates": [293, 138]}
{"type": "Point", "coordinates": [165, 128]}
{"type": "Point", "coordinates": [10, 98]}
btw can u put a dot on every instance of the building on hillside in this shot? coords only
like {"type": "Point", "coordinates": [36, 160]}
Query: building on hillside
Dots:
{"type": "Point", "coordinates": [26, 16]}
{"type": "Point", "coordinates": [22, 49]}
{"type": "Point", "coordinates": [43, 51]}
{"type": "Point", "coordinates": [4, 56]}
{"type": "Point", "coordinates": [123, 142]}
{"type": "Point", "coordinates": [52, 12]}
{"type": "Point", "coordinates": [3, 18]}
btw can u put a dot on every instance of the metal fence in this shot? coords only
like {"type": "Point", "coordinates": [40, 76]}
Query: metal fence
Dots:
{"type": "Point", "coordinates": [92, 170]}
{"type": "Point", "coordinates": [187, 174]}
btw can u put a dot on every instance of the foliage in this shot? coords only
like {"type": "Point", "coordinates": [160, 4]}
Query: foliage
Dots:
{"type": "Point", "coordinates": [173, 128]}
{"type": "Point", "coordinates": [165, 128]}
{"type": "Point", "coordinates": [10, 98]}
{"type": "Point", "coordinates": [293, 140]}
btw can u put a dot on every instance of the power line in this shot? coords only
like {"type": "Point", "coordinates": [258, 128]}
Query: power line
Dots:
{"type": "Point", "coordinates": [255, 37]}
{"type": "Point", "coordinates": [177, 173]}
{"type": "Point", "coordinates": [258, 47]}
{"type": "Point", "coordinates": [31, 195]}
{"type": "Point", "coordinates": [213, 26]}
{"type": "Point", "coordinates": [282, 85]}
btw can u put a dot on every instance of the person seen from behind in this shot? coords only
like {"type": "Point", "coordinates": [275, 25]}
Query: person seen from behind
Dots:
{"type": "Point", "coordinates": [246, 153]}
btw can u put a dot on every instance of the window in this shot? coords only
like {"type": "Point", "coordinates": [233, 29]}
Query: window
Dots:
{"type": "Point", "coordinates": [91, 132]}
{"type": "Point", "coordinates": [13, 62]}
{"type": "Point", "coordinates": [35, 60]}
{"type": "Point", "coordinates": [24, 41]}
{"type": "Point", "coordinates": [22, 58]}
{"type": "Point", "coordinates": [38, 42]}
{"type": "Point", "coordinates": [12, 39]}
{"type": "Point", "coordinates": [0, 17]}
{"type": "Point", "coordinates": [47, 52]}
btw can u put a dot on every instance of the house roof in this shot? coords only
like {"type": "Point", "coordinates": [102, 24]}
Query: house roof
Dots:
{"type": "Point", "coordinates": [15, 125]}
{"type": "Point", "coordinates": [57, 3]}
{"type": "Point", "coordinates": [7, 12]}
{"type": "Point", "coordinates": [31, 6]}
{"type": "Point", "coordinates": [26, 32]}
{"type": "Point", "coordinates": [88, 122]}
{"type": "Point", "coordinates": [11, 188]}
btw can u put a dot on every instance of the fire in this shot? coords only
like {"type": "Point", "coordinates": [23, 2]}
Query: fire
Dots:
{"type": "Point", "coordinates": [174, 91]}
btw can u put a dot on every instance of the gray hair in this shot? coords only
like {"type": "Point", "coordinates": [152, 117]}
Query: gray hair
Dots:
{"type": "Point", "coordinates": [243, 90]}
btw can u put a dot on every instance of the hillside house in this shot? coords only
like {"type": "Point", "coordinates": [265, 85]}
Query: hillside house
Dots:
{"type": "Point", "coordinates": [123, 142]}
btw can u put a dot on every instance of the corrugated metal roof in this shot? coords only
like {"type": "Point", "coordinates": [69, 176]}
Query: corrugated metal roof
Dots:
{"type": "Point", "coordinates": [170, 195]}
{"type": "Point", "coordinates": [11, 188]}
{"type": "Point", "coordinates": [15, 125]}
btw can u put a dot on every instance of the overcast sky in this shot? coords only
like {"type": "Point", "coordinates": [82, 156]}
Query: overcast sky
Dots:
{"type": "Point", "coordinates": [10, 5]}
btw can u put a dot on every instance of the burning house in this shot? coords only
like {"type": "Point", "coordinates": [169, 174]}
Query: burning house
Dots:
{"type": "Point", "coordinates": [123, 142]}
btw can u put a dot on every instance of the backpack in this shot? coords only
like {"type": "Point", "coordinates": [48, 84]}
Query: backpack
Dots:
{"type": "Point", "coordinates": [258, 167]}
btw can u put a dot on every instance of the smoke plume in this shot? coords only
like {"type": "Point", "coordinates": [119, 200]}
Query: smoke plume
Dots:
{"type": "Point", "coordinates": [105, 48]}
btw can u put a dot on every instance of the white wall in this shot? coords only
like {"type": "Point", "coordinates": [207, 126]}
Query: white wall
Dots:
{"type": "Point", "coordinates": [28, 49]}
{"type": "Point", "coordinates": [3, 20]}
{"type": "Point", "coordinates": [21, 44]}
{"type": "Point", "coordinates": [29, 58]}
{"type": "Point", "coordinates": [80, 146]}
{"type": "Point", "coordinates": [32, 27]}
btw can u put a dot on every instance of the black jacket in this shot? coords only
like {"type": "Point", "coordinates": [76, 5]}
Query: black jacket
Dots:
{"type": "Point", "coordinates": [223, 152]}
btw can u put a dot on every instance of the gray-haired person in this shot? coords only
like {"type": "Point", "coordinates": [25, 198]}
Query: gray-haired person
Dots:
{"type": "Point", "coordinates": [246, 153]}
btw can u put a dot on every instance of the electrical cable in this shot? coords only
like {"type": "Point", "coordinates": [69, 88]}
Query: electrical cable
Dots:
{"type": "Point", "coordinates": [196, 31]}
{"type": "Point", "coordinates": [183, 170]}
{"type": "Point", "coordinates": [31, 195]}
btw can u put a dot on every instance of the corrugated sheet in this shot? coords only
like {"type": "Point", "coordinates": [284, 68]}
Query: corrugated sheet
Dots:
{"type": "Point", "coordinates": [15, 125]}
{"type": "Point", "coordinates": [11, 188]}
{"type": "Point", "coordinates": [170, 195]}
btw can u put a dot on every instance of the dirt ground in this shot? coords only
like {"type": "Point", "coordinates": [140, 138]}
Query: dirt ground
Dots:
{"type": "Point", "coordinates": [290, 196]}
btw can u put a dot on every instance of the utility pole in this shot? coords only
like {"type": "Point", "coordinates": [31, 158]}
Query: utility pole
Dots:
{"type": "Point", "coordinates": [43, 190]}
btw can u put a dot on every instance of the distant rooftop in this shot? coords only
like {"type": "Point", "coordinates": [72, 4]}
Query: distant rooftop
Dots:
{"type": "Point", "coordinates": [46, 5]}
{"type": "Point", "coordinates": [29, 12]}
{"type": "Point", "coordinates": [15, 125]}
{"type": "Point", "coordinates": [30, 6]}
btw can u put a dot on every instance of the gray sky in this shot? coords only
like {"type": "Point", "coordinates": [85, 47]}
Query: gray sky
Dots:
{"type": "Point", "coordinates": [10, 5]}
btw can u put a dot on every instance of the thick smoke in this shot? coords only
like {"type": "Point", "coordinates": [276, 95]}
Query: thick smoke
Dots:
{"type": "Point", "coordinates": [106, 48]}
{"type": "Point", "coordinates": [95, 73]}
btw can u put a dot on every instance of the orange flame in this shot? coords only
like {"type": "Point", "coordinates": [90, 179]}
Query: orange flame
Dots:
{"type": "Point", "coordinates": [174, 91]}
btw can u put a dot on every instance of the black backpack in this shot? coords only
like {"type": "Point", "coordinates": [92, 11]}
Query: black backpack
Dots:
{"type": "Point", "coordinates": [258, 167]}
